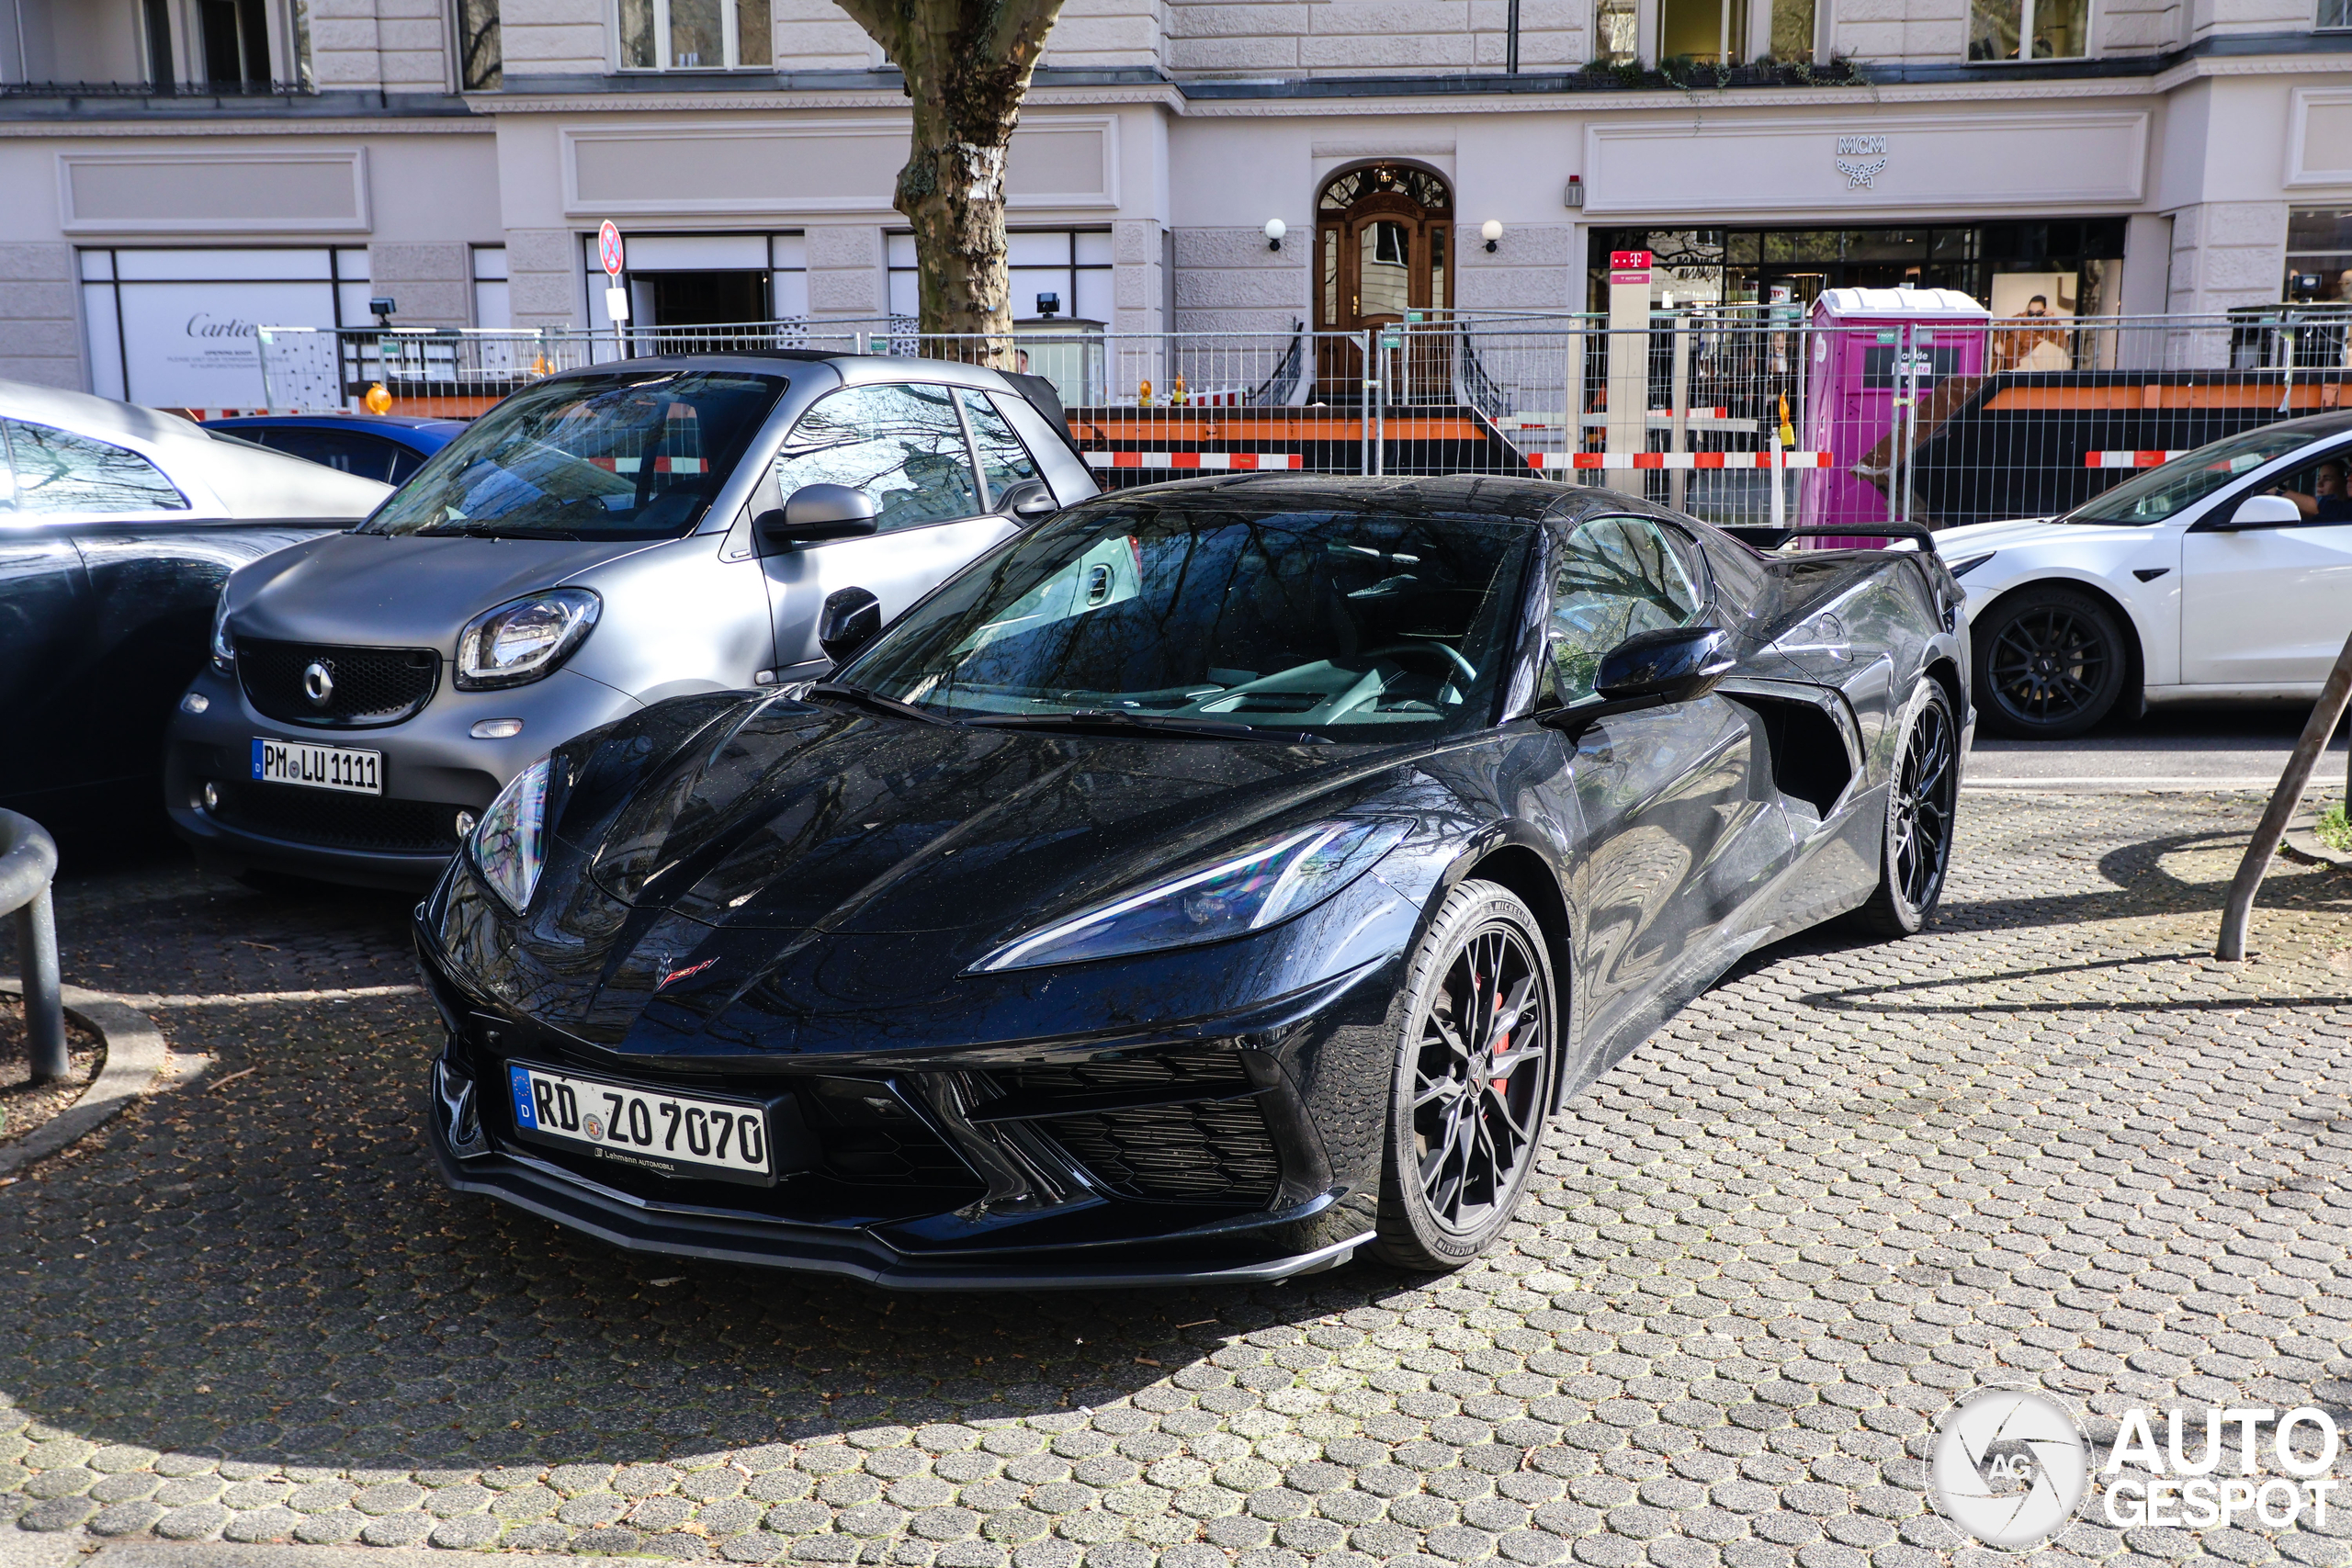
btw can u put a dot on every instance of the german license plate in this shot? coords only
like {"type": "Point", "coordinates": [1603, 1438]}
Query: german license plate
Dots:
{"type": "Point", "coordinates": [341, 767]}
{"type": "Point", "coordinates": [647, 1129]}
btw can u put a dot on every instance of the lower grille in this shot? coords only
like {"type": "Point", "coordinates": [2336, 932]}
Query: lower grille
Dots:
{"type": "Point", "coordinates": [362, 687]}
{"type": "Point", "coordinates": [1212, 1149]}
{"type": "Point", "coordinates": [335, 821]}
{"type": "Point", "coordinates": [1212, 1153]}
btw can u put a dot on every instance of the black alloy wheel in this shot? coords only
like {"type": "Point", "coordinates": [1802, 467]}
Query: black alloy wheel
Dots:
{"type": "Point", "coordinates": [2050, 663]}
{"type": "Point", "coordinates": [1473, 1081]}
{"type": "Point", "coordinates": [1922, 794]}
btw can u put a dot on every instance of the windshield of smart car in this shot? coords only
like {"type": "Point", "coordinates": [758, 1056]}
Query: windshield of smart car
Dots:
{"type": "Point", "coordinates": [1348, 625]}
{"type": "Point", "coordinates": [2181, 484]}
{"type": "Point", "coordinates": [630, 454]}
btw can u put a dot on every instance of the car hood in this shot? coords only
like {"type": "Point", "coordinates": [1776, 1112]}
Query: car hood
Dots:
{"type": "Point", "coordinates": [389, 590]}
{"type": "Point", "coordinates": [786, 815]}
{"type": "Point", "coordinates": [1975, 538]}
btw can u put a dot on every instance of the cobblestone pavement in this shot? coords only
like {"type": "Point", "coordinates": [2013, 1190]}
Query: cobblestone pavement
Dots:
{"type": "Point", "coordinates": [2047, 1143]}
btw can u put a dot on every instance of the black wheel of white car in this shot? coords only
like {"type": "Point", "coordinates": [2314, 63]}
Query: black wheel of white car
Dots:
{"type": "Point", "coordinates": [2050, 662]}
{"type": "Point", "coordinates": [1473, 1081]}
{"type": "Point", "coordinates": [1922, 794]}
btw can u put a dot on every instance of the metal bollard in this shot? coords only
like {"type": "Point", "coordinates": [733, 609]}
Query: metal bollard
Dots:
{"type": "Point", "coordinates": [2334, 695]}
{"type": "Point", "coordinates": [28, 862]}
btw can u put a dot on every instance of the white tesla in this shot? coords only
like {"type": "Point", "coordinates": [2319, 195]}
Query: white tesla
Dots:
{"type": "Point", "coordinates": [2225, 573]}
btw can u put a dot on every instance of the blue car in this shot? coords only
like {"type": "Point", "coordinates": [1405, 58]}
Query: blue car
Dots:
{"type": "Point", "coordinates": [385, 447]}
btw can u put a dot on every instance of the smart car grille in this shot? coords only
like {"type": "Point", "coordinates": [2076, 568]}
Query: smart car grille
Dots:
{"type": "Point", "coordinates": [333, 820]}
{"type": "Point", "coordinates": [1213, 1150]}
{"type": "Point", "coordinates": [369, 685]}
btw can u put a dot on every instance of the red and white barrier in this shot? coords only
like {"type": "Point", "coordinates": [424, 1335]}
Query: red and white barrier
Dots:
{"type": "Point", "coordinates": [2129, 459]}
{"type": "Point", "coordinates": [1195, 460]}
{"type": "Point", "coordinates": [1674, 460]}
{"type": "Point", "coordinates": [203, 415]}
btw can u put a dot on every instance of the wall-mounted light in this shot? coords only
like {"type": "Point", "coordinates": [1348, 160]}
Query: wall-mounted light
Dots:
{"type": "Point", "coordinates": [1276, 230]}
{"type": "Point", "coordinates": [1491, 230]}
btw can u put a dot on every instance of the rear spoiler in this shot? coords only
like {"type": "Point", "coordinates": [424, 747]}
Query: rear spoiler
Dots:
{"type": "Point", "coordinates": [1764, 537]}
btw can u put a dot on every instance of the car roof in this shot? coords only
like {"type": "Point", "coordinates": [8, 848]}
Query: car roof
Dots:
{"type": "Point", "coordinates": [2320, 425]}
{"type": "Point", "coordinates": [100, 417]}
{"type": "Point", "coordinates": [1503, 498]}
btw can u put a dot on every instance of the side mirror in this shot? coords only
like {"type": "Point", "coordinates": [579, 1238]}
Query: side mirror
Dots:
{"type": "Point", "coordinates": [1670, 666]}
{"type": "Point", "coordinates": [1029, 501]}
{"type": "Point", "coordinates": [816, 513]}
{"type": "Point", "coordinates": [2265, 511]}
{"type": "Point", "coordinates": [852, 618]}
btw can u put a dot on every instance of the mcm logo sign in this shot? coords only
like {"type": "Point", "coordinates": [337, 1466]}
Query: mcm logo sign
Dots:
{"type": "Point", "coordinates": [1862, 159]}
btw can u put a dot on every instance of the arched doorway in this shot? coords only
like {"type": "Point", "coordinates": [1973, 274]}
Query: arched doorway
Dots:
{"type": "Point", "coordinates": [1383, 250]}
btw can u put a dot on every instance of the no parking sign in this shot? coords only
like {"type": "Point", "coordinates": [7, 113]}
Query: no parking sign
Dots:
{"type": "Point", "coordinates": [609, 247]}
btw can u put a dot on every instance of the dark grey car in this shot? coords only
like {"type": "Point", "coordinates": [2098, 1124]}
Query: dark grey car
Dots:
{"type": "Point", "coordinates": [601, 540]}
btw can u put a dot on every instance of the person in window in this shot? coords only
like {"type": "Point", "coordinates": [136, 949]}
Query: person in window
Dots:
{"type": "Point", "coordinates": [2034, 348]}
{"type": "Point", "coordinates": [2328, 501]}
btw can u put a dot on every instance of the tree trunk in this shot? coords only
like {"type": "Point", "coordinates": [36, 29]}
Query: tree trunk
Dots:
{"type": "Point", "coordinates": [968, 64]}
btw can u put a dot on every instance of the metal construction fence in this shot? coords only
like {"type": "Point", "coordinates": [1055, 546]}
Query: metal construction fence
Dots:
{"type": "Point", "coordinates": [1741, 416]}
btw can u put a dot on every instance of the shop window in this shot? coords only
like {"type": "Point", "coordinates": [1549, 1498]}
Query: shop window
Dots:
{"type": "Point", "coordinates": [178, 328]}
{"type": "Point", "coordinates": [1056, 274]}
{"type": "Point", "coordinates": [705, 280]}
{"type": "Point", "coordinates": [479, 64]}
{"type": "Point", "coordinates": [2319, 255]}
{"type": "Point", "coordinates": [695, 35]}
{"type": "Point", "coordinates": [2335, 13]}
{"type": "Point", "coordinates": [2058, 29]}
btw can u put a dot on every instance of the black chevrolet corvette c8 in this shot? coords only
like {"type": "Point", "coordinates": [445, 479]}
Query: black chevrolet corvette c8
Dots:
{"type": "Point", "coordinates": [1211, 881]}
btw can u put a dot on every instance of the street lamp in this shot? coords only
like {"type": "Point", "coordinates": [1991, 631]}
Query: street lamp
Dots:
{"type": "Point", "coordinates": [1276, 230]}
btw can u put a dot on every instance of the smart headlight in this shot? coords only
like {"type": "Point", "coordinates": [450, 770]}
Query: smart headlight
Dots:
{"type": "Point", "coordinates": [1270, 881]}
{"type": "Point", "coordinates": [509, 844]}
{"type": "Point", "coordinates": [521, 641]}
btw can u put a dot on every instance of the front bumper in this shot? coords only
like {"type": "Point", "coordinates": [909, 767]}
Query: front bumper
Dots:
{"type": "Point", "coordinates": [432, 768]}
{"type": "Point", "coordinates": [636, 1223]}
{"type": "Point", "coordinates": [984, 1200]}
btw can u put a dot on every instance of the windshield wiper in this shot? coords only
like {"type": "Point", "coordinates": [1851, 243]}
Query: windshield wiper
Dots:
{"type": "Point", "coordinates": [858, 696]}
{"type": "Point", "coordinates": [1113, 719]}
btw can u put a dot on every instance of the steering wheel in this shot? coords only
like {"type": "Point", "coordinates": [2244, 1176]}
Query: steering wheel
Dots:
{"type": "Point", "coordinates": [1452, 655]}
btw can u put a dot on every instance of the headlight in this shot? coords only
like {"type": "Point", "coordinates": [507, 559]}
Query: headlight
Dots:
{"type": "Point", "coordinates": [519, 642]}
{"type": "Point", "coordinates": [224, 652]}
{"type": "Point", "coordinates": [1967, 564]}
{"type": "Point", "coordinates": [509, 844]}
{"type": "Point", "coordinates": [1270, 881]}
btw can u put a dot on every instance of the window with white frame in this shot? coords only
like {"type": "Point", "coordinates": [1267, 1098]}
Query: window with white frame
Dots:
{"type": "Point", "coordinates": [2029, 29]}
{"type": "Point", "coordinates": [695, 35]}
{"type": "Point", "coordinates": [1057, 274]}
{"type": "Point", "coordinates": [490, 306]}
{"type": "Point", "coordinates": [2334, 13]}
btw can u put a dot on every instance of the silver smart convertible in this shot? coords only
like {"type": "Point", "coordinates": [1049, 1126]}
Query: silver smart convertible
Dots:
{"type": "Point", "coordinates": [599, 541]}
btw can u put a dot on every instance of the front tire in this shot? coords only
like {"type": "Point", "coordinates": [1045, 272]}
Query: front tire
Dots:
{"type": "Point", "coordinates": [2050, 663]}
{"type": "Point", "coordinates": [1472, 1086]}
{"type": "Point", "coordinates": [1922, 794]}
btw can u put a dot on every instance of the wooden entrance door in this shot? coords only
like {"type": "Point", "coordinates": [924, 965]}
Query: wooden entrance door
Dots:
{"type": "Point", "coordinates": [1384, 252]}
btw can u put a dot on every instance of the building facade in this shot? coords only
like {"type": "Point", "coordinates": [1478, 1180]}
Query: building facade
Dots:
{"type": "Point", "coordinates": [179, 173]}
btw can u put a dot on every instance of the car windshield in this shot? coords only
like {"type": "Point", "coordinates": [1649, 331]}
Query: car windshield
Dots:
{"type": "Point", "coordinates": [1206, 613]}
{"type": "Point", "coordinates": [628, 455]}
{"type": "Point", "coordinates": [2181, 484]}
